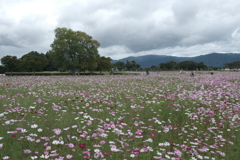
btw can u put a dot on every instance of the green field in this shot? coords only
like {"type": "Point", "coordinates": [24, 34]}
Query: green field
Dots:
{"type": "Point", "coordinates": [157, 116]}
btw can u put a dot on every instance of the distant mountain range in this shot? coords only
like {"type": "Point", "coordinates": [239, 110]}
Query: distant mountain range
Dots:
{"type": "Point", "coordinates": [212, 59]}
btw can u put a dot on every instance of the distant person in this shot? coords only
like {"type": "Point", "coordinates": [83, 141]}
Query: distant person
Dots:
{"type": "Point", "coordinates": [192, 74]}
{"type": "Point", "coordinates": [211, 73]}
{"type": "Point", "coordinates": [147, 72]}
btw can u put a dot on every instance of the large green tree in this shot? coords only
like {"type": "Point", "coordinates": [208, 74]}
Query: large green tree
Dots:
{"type": "Point", "coordinates": [74, 50]}
{"type": "Point", "coordinates": [11, 63]}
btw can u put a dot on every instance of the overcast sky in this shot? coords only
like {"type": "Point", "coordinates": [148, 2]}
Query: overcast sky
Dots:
{"type": "Point", "coordinates": [183, 28]}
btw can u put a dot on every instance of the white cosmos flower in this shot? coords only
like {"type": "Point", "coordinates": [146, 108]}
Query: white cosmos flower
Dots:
{"type": "Point", "coordinates": [56, 142]}
{"type": "Point", "coordinates": [34, 126]}
{"type": "Point", "coordinates": [6, 157]}
{"type": "Point", "coordinates": [96, 150]}
{"type": "Point", "coordinates": [44, 156]}
{"type": "Point", "coordinates": [34, 157]}
{"type": "Point", "coordinates": [132, 155]}
{"type": "Point", "coordinates": [7, 122]}
{"type": "Point", "coordinates": [39, 130]}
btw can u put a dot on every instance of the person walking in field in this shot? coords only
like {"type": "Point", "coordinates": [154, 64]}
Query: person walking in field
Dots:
{"type": "Point", "coordinates": [192, 74]}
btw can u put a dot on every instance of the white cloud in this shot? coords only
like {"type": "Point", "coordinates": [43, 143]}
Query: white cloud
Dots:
{"type": "Point", "coordinates": [124, 28]}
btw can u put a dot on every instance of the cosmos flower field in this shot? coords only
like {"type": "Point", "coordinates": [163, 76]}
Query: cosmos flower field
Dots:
{"type": "Point", "coordinates": [145, 117]}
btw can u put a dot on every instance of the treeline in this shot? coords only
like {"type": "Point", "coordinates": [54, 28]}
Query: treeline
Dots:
{"type": "Point", "coordinates": [186, 65]}
{"type": "Point", "coordinates": [233, 65]}
{"type": "Point", "coordinates": [171, 65]}
{"type": "Point", "coordinates": [70, 51]}
{"type": "Point", "coordinates": [38, 62]}
{"type": "Point", "coordinates": [128, 66]}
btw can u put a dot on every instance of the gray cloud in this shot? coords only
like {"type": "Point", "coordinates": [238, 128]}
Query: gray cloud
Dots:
{"type": "Point", "coordinates": [125, 28]}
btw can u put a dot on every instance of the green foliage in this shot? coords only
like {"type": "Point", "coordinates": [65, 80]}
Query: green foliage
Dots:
{"type": "Point", "coordinates": [119, 65]}
{"type": "Point", "coordinates": [50, 66]}
{"type": "Point", "coordinates": [74, 50]}
{"type": "Point", "coordinates": [168, 65]}
{"type": "Point", "coordinates": [186, 65]}
{"type": "Point", "coordinates": [2, 69]}
{"type": "Point", "coordinates": [104, 63]}
{"type": "Point", "coordinates": [132, 65]}
{"type": "Point", "coordinates": [10, 63]}
{"type": "Point", "coordinates": [33, 53]}
{"type": "Point", "coordinates": [154, 68]}
{"type": "Point", "coordinates": [233, 65]}
{"type": "Point", "coordinates": [33, 62]}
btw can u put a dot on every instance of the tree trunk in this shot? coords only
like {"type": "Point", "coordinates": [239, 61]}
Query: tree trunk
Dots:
{"type": "Point", "coordinates": [73, 71]}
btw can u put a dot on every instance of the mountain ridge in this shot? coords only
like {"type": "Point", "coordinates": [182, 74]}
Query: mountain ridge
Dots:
{"type": "Point", "coordinates": [212, 59]}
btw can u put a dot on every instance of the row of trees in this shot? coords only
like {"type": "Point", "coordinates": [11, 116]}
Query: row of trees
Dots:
{"type": "Point", "coordinates": [186, 65]}
{"type": "Point", "coordinates": [37, 62]}
{"type": "Point", "coordinates": [233, 65]}
{"type": "Point", "coordinates": [171, 65]}
{"type": "Point", "coordinates": [129, 66]}
{"type": "Point", "coordinates": [71, 50]}
{"type": "Point", "coordinates": [32, 61]}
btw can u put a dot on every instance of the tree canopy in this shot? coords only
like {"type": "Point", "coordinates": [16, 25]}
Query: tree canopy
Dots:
{"type": "Point", "coordinates": [74, 49]}
{"type": "Point", "coordinates": [34, 63]}
{"type": "Point", "coordinates": [188, 65]}
{"type": "Point", "coordinates": [233, 65]}
{"type": "Point", "coordinates": [104, 63]}
{"type": "Point", "coordinates": [10, 63]}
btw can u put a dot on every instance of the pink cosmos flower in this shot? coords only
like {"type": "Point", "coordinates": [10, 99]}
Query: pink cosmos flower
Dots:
{"type": "Point", "coordinates": [19, 129]}
{"type": "Point", "coordinates": [70, 145]}
{"type": "Point", "coordinates": [57, 131]}
{"type": "Point", "coordinates": [68, 156]}
{"type": "Point", "coordinates": [69, 137]}
{"type": "Point", "coordinates": [27, 151]}
{"type": "Point", "coordinates": [74, 126]}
